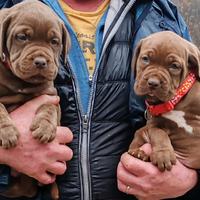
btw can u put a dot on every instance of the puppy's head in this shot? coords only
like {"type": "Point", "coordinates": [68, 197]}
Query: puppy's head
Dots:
{"type": "Point", "coordinates": [160, 63]}
{"type": "Point", "coordinates": [33, 39]}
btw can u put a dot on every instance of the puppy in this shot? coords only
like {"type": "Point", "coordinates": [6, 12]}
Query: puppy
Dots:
{"type": "Point", "coordinates": [167, 70]}
{"type": "Point", "coordinates": [32, 41]}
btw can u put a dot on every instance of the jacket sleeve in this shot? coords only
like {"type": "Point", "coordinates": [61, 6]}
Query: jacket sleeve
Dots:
{"type": "Point", "coordinates": [181, 22]}
{"type": "Point", "coordinates": [137, 108]}
{"type": "Point", "coordinates": [5, 4]}
{"type": "Point", "coordinates": [8, 3]}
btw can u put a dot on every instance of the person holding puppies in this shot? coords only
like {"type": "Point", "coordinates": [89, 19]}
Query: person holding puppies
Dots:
{"type": "Point", "coordinates": [99, 107]}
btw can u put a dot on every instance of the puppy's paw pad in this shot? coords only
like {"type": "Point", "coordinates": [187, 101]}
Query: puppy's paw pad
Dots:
{"type": "Point", "coordinates": [43, 131]}
{"type": "Point", "coordinates": [8, 136]}
{"type": "Point", "coordinates": [138, 153]}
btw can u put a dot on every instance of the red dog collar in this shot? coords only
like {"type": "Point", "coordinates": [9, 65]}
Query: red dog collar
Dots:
{"type": "Point", "coordinates": [159, 109]}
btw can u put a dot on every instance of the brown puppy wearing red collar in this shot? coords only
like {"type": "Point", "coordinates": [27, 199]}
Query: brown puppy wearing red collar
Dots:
{"type": "Point", "coordinates": [32, 40]}
{"type": "Point", "coordinates": [167, 70]}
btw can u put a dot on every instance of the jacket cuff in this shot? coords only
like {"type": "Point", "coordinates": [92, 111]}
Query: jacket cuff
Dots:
{"type": "Point", "coordinates": [198, 178]}
{"type": "Point", "coordinates": [5, 177]}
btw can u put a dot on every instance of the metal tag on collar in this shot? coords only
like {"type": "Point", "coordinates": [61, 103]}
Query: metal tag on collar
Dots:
{"type": "Point", "coordinates": [147, 115]}
{"type": "Point", "coordinates": [3, 57]}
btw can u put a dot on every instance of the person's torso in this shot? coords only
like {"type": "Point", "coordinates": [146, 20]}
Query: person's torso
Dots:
{"type": "Point", "coordinates": [103, 133]}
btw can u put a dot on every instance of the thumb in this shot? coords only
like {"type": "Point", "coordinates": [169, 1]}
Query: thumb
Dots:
{"type": "Point", "coordinates": [25, 113]}
{"type": "Point", "coordinates": [35, 103]}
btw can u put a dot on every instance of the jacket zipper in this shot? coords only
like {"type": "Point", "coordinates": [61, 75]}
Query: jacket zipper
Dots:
{"type": "Point", "coordinates": [83, 144]}
{"type": "Point", "coordinates": [85, 167]}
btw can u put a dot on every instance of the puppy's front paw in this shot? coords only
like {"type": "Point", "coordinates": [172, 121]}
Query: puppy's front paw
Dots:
{"type": "Point", "coordinates": [138, 153]}
{"type": "Point", "coordinates": [8, 136]}
{"type": "Point", "coordinates": [43, 130]}
{"type": "Point", "coordinates": [163, 159]}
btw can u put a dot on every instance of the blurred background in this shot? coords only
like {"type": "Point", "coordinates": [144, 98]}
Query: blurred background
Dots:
{"type": "Point", "coordinates": [190, 10]}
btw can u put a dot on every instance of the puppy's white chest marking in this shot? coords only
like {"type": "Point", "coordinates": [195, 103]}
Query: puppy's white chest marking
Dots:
{"type": "Point", "coordinates": [178, 118]}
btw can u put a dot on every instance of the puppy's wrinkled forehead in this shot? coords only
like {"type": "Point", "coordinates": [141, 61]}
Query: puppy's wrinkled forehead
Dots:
{"type": "Point", "coordinates": [34, 18]}
{"type": "Point", "coordinates": [160, 45]}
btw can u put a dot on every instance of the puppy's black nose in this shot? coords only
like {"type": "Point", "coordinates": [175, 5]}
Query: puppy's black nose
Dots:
{"type": "Point", "coordinates": [40, 62]}
{"type": "Point", "coordinates": [153, 82]}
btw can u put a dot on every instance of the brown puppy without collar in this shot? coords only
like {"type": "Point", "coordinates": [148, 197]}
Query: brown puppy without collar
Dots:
{"type": "Point", "coordinates": [32, 40]}
{"type": "Point", "coordinates": [161, 63]}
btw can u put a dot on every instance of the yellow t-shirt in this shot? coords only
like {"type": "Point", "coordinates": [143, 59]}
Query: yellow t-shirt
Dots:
{"type": "Point", "coordinates": [85, 24]}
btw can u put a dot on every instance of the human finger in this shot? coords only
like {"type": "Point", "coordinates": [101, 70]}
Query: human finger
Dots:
{"type": "Point", "coordinates": [136, 166]}
{"type": "Point", "coordinates": [128, 189]}
{"type": "Point", "coordinates": [46, 178]}
{"type": "Point", "coordinates": [125, 176]}
{"type": "Point", "coordinates": [43, 99]}
{"type": "Point", "coordinates": [61, 153]}
{"type": "Point", "coordinates": [64, 135]}
{"type": "Point", "coordinates": [36, 102]}
{"type": "Point", "coordinates": [123, 187]}
{"type": "Point", "coordinates": [57, 168]}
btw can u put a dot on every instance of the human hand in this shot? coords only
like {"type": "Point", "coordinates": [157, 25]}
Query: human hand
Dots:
{"type": "Point", "coordinates": [146, 182]}
{"type": "Point", "coordinates": [40, 161]}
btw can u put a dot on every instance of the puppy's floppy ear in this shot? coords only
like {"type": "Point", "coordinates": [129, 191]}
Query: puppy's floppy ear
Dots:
{"type": "Point", "coordinates": [194, 58]}
{"type": "Point", "coordinates": [66, 43]}
{"type": "Point", "coordinates": [135, 57]}
{"type": "Point", "coordinates": [5, 19]}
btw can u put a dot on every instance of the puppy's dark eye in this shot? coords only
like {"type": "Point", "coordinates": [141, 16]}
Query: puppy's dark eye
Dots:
{"type": "Point", "coordinates": [55, 41]}
{"type": "Point", "coordinates": [22, 37]}
{"type": "Point", "coordinates": [175, 68]}
{"type": "Point", "coordinates": [145, 59]}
